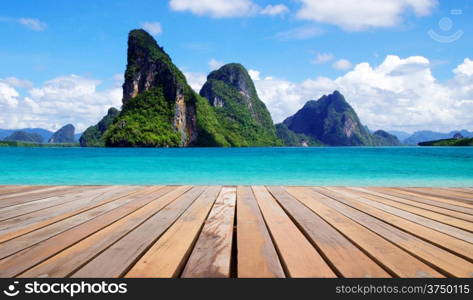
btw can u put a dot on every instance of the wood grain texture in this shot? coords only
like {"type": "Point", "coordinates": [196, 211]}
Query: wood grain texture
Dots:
{"type": "Point", "coordinates": [210, 231]}
{"type": "Point", "coordinates": [22, 242]}
{"type": "Point", "coordinates": [32, 196]}
{"type": "Point", "coordinates": [211, 256]}
{"type": "Point", "coordinates": [462, 224]}
{"type": "Point", "coordinates": [396, 194]}
{"type": "Point", "coordinates": [7, 190]}
{"type": "Point", "coordinates": [167, 256]}
{"type": "Point", "coordinates": [436, 197]}
{"type": "Point", "coordinates": [116, 260]}
{"type": "Point", "coordinates": [21, 225]}
{"type": "Point", "coordinates": [29, 257]}
{"type": "Point", "coordinates": [71, 195]}
{"type": "Point", "coordinates": [257, 256]}
{"type": "Point", "coordinates": [449, 194]}
{"type": "Point", "coordinates": [299, 257]}
{"type": "Point", "coordinates": [450, 243]}
{"type": "Point", "coordinates": [346, 258]}
{"type": "Point", "coordinates": [448, 263]}
{"type": "Point", "coordinates": [396, 260]}
{"type": "Point", "coordinates": [369, 199]}
{"type": "Point", "coordinates": [434, 208]}
{"type": "Point", "coordinates": [69, 260]}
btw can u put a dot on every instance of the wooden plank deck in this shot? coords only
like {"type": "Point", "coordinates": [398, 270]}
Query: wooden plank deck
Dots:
{"type": "Point", "coordinates": [235, 231]}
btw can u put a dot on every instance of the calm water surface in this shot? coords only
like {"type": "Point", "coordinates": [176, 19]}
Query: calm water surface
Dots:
{"type": "Point", "coordinates": [357, 166]}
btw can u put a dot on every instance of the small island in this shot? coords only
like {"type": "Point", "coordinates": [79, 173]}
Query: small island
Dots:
{"type": "Point", "coordinates": [457, 141]}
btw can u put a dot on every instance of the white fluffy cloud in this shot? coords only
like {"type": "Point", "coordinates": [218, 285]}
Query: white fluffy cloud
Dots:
{"type": "Point", "coordinates": [195, 80]}
{"type": "Point", "coordinates": [465, 69]}
{"type": "Point", "coordinates": [154, 28]}
{"type": "Point", "coordinates": [274, 10]}
{"type": "Point", "coordinates": [215, 64]}
{"type": "Point", "coordinates": [342, 64]}
{"type": "Point", "coordinates": [299, 33]}
{"type": "Point", "coordinates": [216, 8]}
{"type": "Point", "coordinates": [8, 96]}
{"type": "Point", "coordinates": [254, 74]}
{"type": "Point", "coordinates": [16, 82]}
{"type": "Point", "coordinates": [363, 14]}
{"type": "Point", "coordinates": [68, 99]}
{"type": "Point", "coordinates": [398, 94]}
{"type": "Point", "coordinates": [321, 58]}
{"type": "Point", "coordinates": [33, 24]}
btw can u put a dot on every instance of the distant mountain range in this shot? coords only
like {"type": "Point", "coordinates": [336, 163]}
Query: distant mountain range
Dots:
{"type": "Point", "coordinates": [428, 135]}
{"type": "Point", "coordinates": [160, 109]}
{"type": "Point", "coordinates": [36, 135]}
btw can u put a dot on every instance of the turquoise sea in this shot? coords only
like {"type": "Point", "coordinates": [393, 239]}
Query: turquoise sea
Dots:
{"type": "Point", "coordinates": [354, 166]}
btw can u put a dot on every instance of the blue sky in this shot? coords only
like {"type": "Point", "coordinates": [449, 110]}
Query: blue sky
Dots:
{"type": "Point", "coordinates": [290, 44]}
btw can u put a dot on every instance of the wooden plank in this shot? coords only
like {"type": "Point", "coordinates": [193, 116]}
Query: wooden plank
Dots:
{"type": "Point", "coordinates": [435, 197]}
{"type": "Point", "coordinates": [167, 256]}
{"type": "Point", "coordinates": [396, 260]}
{"type": "Point", "coordinates": [369, 199]}
{"type": "Point", "coordinates": [462, 224]}
{"type": "Point", "coordinates": [15, 245]}
{"type": "Point", "coordinates": [25, 208]}
{"type": "Point", "coordinates": [211, 256]}
{"type": "Point", "coordinates": [443, 192]}
{"type": "Point", "coordinates": [463, 192]}
{"type": "Point", "coordinates": [358, 201]}
{"type": "Point", "coordinates": [257, 256]}
{"type": "Point", "coordinates": [450, 264]}
{"type": "Point", "coordinates": [26, 223]}
{"type": "Point", "coordinates": [346, 259]}
{"type": "Point", "coordinates": [116, 260]}
{"type": "Point", "coordinates": [394, 194]}
{"type": "Point", "coordinates": [69, 260]}
{"type": "Point", "coordinates": [37, 194]}
{"type": "Point", "coordinates": [12, 189]}
{"type": "Point", "coordinates": [428, 207]}
{"type": "Point", "coordinates": [298, 256]}
{"type": "Point", "coordinates": [28, 258]}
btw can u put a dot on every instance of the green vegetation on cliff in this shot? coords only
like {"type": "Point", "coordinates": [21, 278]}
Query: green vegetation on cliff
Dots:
{"type": "Point", "coordinates": [292, 139]}
{"type": "Point", "coordinates": [142, 50]}
{"type": "Point", "coordinates": [161, 110]}
{"type": "Point", "coordinates": [333, 122]}
{"type": "Point", "coordinates": [145, 121]}
{"type": "Point", "coordinates": [244, 118]}
{"type": "Point", "coordinates": [330, 120]}
{"type": "Point", "coordinates": [211, 133]}
{"type": "Point", "coordinates": [449, 142]}
{"type": "Point", "coordinates": [383, 138]}
{"type": "Point", "coordinates": [153, 85]}
{"type": "Point", "coordinates": [93, 136]}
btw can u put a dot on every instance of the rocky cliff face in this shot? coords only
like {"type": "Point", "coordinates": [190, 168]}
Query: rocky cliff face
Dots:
{"type": "Point", "coordinates": [383, 138]}
{"type": "Point", "coordinates": [330, 120]}
{"type": "Point", "coordinates": [231, 92]}
{"type": "Point", "coordinates": [93, 136]}
{"type": "Point", "coordinates": [63, 135]}
{"type": "Point", "coordinates": [158, 105]}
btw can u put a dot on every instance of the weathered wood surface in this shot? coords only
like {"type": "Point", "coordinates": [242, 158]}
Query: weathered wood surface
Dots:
{"type": "Point", "coordinates": [230, 231]}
